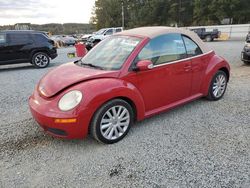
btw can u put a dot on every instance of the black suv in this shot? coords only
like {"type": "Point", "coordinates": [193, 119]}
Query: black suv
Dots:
{"type": "Point", "coordinates": [245, 54]}
{"type": "Point", "coordinates": [26, 46]}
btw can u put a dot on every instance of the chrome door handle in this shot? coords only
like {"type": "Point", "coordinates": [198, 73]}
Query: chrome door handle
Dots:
{"type": "Point", "coordinates": [187, 68]}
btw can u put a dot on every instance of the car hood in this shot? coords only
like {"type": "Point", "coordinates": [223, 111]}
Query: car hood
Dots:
{"type": "Point", "coordinates": [69, 74]}
{"type": "Point", "coordinates": [97, 36]}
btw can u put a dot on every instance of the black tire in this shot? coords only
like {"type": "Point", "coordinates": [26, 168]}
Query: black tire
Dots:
{"type": "Point", "coordinates": [246, 62]}
{"type": "Point", "coordinates": [40, 60]}
{"type": "Point", "coordinates": [211, 95]}
{"type": "Point", "coordinates": [208, 38]}
{"type": "Point", "coordinates": [95, 126]}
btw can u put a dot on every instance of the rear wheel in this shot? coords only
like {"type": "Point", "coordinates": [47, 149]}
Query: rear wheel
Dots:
{"type": "Point", "coordinates": [40, 60]}
{"type": "Point", "coordinates": [218, 86]}
{"type": "Point", "coordinates": [112, 121]}
{"type": "Point", "coordinates": [208, 38]}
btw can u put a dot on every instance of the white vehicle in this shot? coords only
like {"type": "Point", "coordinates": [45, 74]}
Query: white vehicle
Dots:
{"type": "Point", "coordinates": [85, 37]}
{"type": "Point", "coordinates": [100, 35]}
{"type": "Point", "coordinates": [103, 33]}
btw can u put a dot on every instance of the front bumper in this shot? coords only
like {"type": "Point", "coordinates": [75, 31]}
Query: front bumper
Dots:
{"type": "Point", "coordinates": [53, 56]}
{"type": "Point", "coordinates": [245, 56]}
{"type": "Point", "coordinates": [46, 113]}
{"type": "Point", "coordinates": [53, 53]}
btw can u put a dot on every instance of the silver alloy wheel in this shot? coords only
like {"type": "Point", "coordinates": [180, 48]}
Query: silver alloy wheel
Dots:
{"type": "Point", "coordinates": [41, 60]}
{"type": "Point", "coordinates": [115, 122]}
{"type": "Point", "coordinates": [219, 85]}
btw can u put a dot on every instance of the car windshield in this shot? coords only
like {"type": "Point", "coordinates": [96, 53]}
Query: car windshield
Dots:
{"type": "Point", "coordinates": [101, 31]}
{"type": "Point", "coordinates": [111, 53]}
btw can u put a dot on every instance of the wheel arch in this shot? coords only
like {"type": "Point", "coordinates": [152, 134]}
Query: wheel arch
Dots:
{"type": "Point", "coordinates": [38, 50]}
{"type": "Point", "coordinates": [224, 69]}
{"type": "Point", "coordinates": [138, 107]}
{"type": "Point", "coordinates": [97, 94]}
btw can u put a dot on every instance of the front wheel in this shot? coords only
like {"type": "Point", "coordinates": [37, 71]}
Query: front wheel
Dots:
{"type": "Point", "coordinates": [112, 121]}
{"type": "Point", "coordinates": [218, 86]}
{"type": "Point", "coordinates": [40, 60]}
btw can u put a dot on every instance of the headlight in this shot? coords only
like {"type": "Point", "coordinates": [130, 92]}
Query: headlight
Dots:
{"type": "Point", "coordinates": [70, 100]}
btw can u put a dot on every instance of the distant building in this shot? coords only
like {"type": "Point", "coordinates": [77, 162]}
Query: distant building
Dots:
{"type": "Point", "coordinates": [22, 26]}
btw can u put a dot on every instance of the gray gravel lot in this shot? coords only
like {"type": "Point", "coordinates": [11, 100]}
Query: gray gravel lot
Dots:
{"type": "Point", "coordinates": [201, 144]}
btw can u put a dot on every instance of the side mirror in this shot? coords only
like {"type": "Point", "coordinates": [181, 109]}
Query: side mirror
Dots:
{"type": "Point", "coordinates": [144, 65]}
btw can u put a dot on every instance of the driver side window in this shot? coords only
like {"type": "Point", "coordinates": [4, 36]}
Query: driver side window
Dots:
{"type": "Point", "coordinates": [192, 48]}
{"type": "Point", "coordinates": [164, 49]}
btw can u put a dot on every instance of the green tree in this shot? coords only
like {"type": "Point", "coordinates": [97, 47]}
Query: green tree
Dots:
{"type": "Point", "coordinates": [107, 13]}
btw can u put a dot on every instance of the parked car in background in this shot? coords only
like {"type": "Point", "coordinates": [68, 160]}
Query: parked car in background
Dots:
{"type": "Point", "coordinates": [127, 77]}
{"type": "Point", "coordinates": [208, 36]}
{"type": "Point", "coordinates": [245, 54]}
{"type": "Point", "coordinates": [69, 40]}
{"type": "Point", "coordinates": [75, 36]}
{"type": "Point", "coordinates": [100, 35]}
{"type": "Point", "coordinates": [105, 32]}
{"type": "Point", "coordinates": [248, 37]}
{"type": "Point", "coordinates": [26, 46]}
{"type": "Point", "coordinates": [64, 40]}
{"type": "Point", "coordinates": [85, 37]}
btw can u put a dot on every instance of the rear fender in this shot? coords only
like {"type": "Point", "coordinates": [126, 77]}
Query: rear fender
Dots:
{"type": "Point", "coordinates": [215, 64]}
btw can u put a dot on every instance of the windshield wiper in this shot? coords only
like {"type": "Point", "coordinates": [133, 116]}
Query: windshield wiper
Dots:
{"type": "Point", "coordinates": [91, 65]}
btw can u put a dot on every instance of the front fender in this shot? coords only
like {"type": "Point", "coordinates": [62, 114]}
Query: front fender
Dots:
{"type": "Point", "coordinates": [98, 91]}
{"type": "Point", "coordinates": [215, 63]}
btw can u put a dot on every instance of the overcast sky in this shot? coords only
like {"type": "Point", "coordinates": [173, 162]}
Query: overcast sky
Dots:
{"type": "Point", "coordinates": [45, 11]}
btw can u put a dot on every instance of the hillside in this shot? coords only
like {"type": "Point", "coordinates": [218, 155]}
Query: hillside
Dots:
{"type": "Point", "coordinates": [55, 28]}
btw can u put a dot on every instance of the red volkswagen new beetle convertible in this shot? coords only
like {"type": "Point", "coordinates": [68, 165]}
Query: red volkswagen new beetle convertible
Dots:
{"type": "Point", "coordinates": [127, 77]}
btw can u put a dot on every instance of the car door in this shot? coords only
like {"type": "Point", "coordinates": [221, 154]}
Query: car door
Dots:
{"type": "Point", "coordinates": [199, 63]}
{"type": "Point", "coordinates": [19, 46]}
{"type": "Point", "coordinates": [169, 80]}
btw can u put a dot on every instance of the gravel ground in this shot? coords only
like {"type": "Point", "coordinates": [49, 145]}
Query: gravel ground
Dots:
{"type": "Point", "coordinates": [201, 144]}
